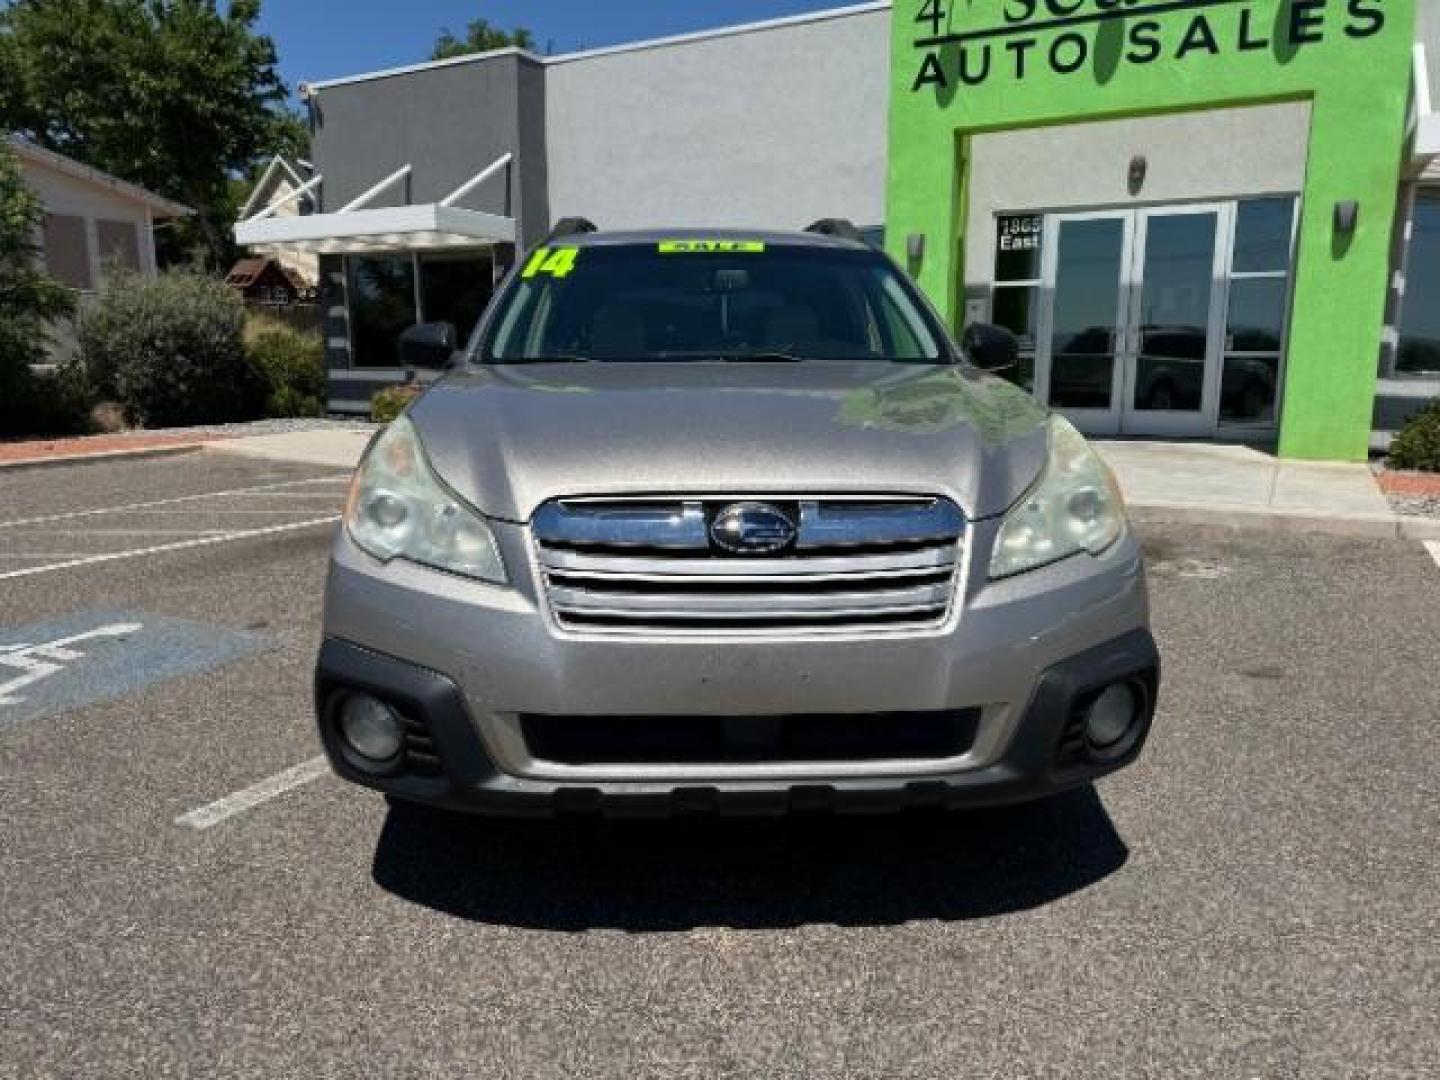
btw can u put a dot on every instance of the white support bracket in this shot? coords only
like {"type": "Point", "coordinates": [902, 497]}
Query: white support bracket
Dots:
{"type": "Point", "coordinates": [273, 208]}
{"type": "Point", "coordinates": [359, 201]}
{"type": "Point", "coordinates": [503, 162]}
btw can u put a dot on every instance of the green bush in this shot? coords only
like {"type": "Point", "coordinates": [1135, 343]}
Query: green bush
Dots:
{"type": "Point", "coordinates": [49, 404]}
{"type": "Point", "coordinates": [1418, 444]}
{"type": "Point", "coordinates": [171, 350]}
{"type": "Point", "coordinates": [389, 403]}
{"type": "Point", "coordinates": [293, 364]}
{"type": "Point", "coordinates": [29, 303]}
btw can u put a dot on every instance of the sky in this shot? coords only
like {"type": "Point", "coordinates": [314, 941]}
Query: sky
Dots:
{"type": "Point", "coordinates": [326, 39]}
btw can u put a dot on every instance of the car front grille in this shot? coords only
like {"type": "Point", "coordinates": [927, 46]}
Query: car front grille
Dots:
{"type": "Point", "coordinates": [655, 565]}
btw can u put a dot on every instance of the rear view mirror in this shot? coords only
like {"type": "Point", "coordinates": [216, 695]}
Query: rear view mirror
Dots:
{"type": "Point", "coordinates": [991, 348]}
{"type": "Point", "coordinates": [730, 281]}
{"type": "Point", "coordinates": [428, 346]}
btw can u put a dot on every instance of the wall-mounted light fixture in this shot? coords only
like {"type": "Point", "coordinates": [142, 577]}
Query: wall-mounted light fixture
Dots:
{"type": "Point", "coordinates": [915, 246]}
{"type": "Point", "coordinates": [1135, 180]}
{"type": "Point", "coordinates": [1347, 214]}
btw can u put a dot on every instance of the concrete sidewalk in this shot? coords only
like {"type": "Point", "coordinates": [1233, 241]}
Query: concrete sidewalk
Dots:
{"type": "Point", "coordinates": [1164, 483]}
{"type": "Point", "coordinates": [1217, 484]}
{"type": "Point", "coordinates": [340, 449]}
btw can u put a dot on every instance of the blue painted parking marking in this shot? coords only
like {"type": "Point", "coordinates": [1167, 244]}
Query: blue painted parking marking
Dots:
{"type": "Point", "coordinates": [92, 657]}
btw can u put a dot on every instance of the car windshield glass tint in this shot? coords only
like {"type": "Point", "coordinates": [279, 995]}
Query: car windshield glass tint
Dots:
{"type": "Point", "coordinates": [722, 300]}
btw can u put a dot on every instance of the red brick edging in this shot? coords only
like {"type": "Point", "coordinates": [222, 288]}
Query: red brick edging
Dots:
{"type": "Point", "coordinates": [55, 449]}
{"type": "Point", "coordinates": [1404, 482]}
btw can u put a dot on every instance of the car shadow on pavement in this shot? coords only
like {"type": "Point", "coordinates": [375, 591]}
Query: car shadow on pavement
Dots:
{"type": "Point", "coordinates": [748, 874]}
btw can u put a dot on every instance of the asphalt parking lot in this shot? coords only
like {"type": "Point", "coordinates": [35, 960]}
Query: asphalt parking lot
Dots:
{"type": "Point", "coordinates": [1256, 898]}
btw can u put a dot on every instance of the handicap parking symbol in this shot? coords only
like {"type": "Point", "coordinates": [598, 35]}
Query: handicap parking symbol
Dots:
{"type": "Point", "coordinates": [84, 659]}
{"type": "Point", "coordinates": [40, 661]}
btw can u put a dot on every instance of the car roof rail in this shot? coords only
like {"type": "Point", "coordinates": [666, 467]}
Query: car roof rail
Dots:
{"type": "Point", "coordinates": [571, 226]}
{"type": "Point", "coordinates": [843, 228]}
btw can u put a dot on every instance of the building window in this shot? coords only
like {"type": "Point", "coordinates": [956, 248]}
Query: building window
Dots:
{"type": "Point", "coordinates": [1015, 301]}
{"type": "Point", "coordinates": [455, 288]}
{"type": "Point", "coordinates": [119, 246]}
{"type": "Point", "coordinates": [382, 306]}
{"type": "Point", "coordinates": [1259, 303]}
{"type": "Point", "coordinates": [67, 251]}
{"type": "Point", "coordinates": [1419, 352]}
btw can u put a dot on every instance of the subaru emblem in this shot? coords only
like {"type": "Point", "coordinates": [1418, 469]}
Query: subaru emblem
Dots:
{"type": "Point", "coordinates": [752, 528]}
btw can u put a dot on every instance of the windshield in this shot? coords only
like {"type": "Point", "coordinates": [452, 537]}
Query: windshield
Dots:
{"type": "Point", "coordinates": [709, 300]}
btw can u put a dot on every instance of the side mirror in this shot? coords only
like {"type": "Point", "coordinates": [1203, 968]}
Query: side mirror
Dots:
{"type": "Point", "coordinates": [990, 348]}
{"type": "Point", "coordinates": [427, 346]}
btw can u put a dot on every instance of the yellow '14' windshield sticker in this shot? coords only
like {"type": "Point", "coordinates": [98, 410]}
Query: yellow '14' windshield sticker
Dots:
{"type": "Point", "coordinates": [710, 247]}
{"type": "Point", "coordinates": [552, 262]}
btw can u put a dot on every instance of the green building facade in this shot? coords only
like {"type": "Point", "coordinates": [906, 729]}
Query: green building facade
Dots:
{"type": "Point", "coordinates": [1186, 208]}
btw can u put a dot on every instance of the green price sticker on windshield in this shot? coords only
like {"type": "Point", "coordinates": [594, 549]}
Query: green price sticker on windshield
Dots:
{"type": "Point", "coordinates": [710, 247]}
{"type": "Point", "coordinates": [551, 262]}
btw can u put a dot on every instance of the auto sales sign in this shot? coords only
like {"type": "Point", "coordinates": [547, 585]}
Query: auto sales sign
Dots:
{"type": "Point", "coordinates": [968, 43]}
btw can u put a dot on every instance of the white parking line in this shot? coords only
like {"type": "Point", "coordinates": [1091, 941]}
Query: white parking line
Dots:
{"type": "Point", "coordinates": [121, 532]}
{"type": "Point", "coordinates": [1433, 546]}
{"type": "Point", "coordinates": [193, 512]}
{"type": "Point", "coordinates": [223, 809]}
{"type": "Point", "coordinates": [182, 545]}
{"type": "Point", "coordinates": [338, 478]}
{"type": "Point", "coordinates": [48, 556]}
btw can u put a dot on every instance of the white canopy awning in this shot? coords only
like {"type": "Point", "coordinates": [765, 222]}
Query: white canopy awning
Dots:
{"type": "Point", "coordinates": [431, 227]}
{"type": "Point", "coordinates": [1427, 144]}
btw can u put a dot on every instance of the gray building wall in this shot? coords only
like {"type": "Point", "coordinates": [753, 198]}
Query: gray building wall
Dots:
{"type": "Point", "coordinates": [758, 128]}
{"type": "Point", "coordinates": [774, 125]}
{"type": "Point", "coordinates": [448, 122]}
{"type": "Point", "coordinates": [1210, 154]}
{"type": "Point", "coordinates": [532, 139]}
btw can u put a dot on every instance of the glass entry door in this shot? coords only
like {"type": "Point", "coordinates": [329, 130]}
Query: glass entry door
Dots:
{"type": "Point", "coordinates": [1079, 362]}
{"type": "Point", "coordinates": [1131, 340]}
{"type": "Point", "coordinates": [1172, 348]}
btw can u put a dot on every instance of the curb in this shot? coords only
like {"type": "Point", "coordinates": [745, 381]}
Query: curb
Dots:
{"type": "Point", "coordinates": [101, 456]}
{"type": "Point", "coordinates": [1288, 522]}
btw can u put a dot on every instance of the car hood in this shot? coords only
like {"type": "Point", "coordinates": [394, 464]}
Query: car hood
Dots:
{"type": "Point", "coordinates": [510, 437]}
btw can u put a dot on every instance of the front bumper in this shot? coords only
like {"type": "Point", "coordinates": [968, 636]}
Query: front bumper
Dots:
{"type": "Point", "coordinates": [1045, 753]}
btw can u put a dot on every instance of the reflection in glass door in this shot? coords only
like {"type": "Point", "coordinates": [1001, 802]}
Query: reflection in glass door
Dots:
{"type": "Point", "coordinates": [1161, 320]}
{"type": "Point", "coordinates": [1171, 345]}
{"type": "Point", "coordinates": [1079, 370]}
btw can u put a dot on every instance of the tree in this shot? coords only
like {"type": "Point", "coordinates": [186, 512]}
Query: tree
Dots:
{"type": "Point", "coordinates": [480, 37]}
{"type": "Point", "coordinates": [168, 94]}
{"type": "Point", "coordinates": [29, 299]}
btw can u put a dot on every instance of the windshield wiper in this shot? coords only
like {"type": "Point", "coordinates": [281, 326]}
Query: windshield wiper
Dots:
{"type": "Point", "coordinates": [558, 358]}
{"type": "Point", "coordinates": [775, 357]}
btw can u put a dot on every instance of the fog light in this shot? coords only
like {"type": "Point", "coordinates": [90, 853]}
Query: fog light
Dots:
{"type": "Point", "coordinates": [372, 729]}
{"type": "Point", "coordinates": [1112, 716]}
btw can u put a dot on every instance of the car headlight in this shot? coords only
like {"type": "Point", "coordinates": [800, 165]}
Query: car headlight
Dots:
{"type": "Point", "coordinates": [399, 509]}
{"type": "Point", "coordinates": [1076, 506]}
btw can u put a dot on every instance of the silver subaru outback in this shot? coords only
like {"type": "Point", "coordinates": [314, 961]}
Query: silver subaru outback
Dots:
{"type": "Point", "coordinates": [725, 522]}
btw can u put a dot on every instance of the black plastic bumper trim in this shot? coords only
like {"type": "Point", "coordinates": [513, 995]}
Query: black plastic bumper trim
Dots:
{"type": "Point", "coordinates": [1033, 766]}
